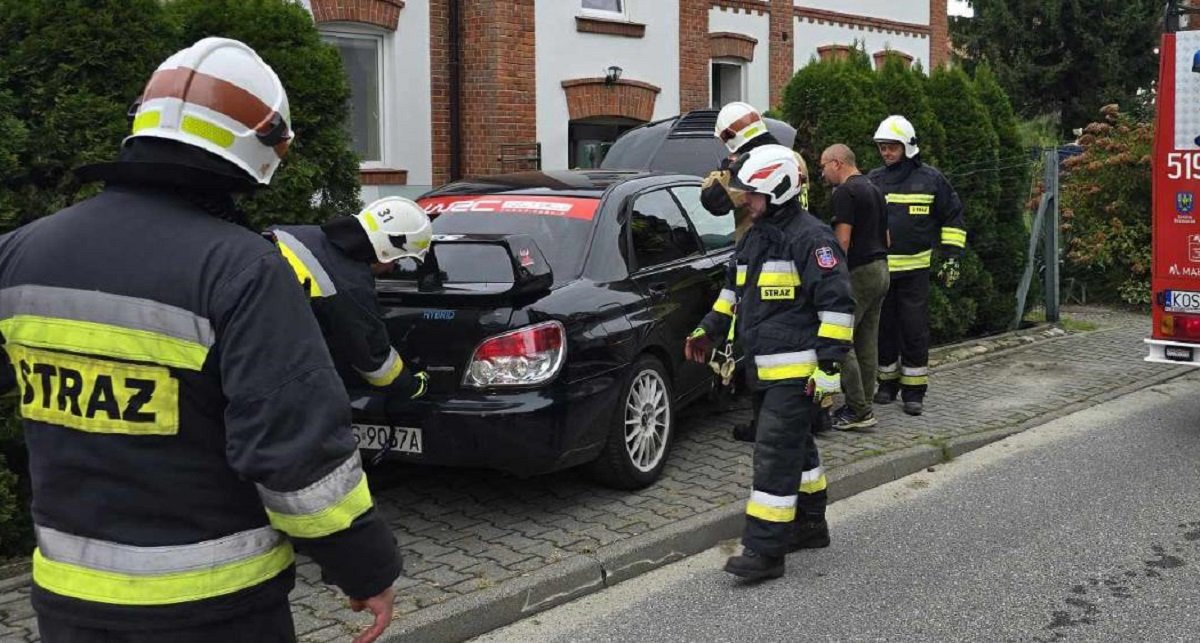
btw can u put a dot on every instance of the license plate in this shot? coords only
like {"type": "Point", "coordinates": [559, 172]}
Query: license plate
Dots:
{"type": "Point", "coordinates": [1178, 353]}
{"type": "Point", "coordinates": [1182, 301]}
{"type": "Point", "coordinates": [376, 437]}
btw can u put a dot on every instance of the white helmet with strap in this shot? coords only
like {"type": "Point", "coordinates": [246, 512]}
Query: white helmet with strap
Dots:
{"type": "Point", "coordinates": [397, 228]}
{"type": "Point", "coordinates": [218, 95]}
{"type": "Point", "coordinates": [897, 129]}
{"type": "Point", "coordinates": [771, 170]}
{"type": "Point", "coordinates": [737, 123]}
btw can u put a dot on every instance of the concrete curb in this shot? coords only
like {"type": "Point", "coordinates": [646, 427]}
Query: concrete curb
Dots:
{"type": "Point", "coordinates": [473, 615]}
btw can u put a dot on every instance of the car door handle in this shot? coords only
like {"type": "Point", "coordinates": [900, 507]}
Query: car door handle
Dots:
{"type": "Point", "coordinates": [658, 288]}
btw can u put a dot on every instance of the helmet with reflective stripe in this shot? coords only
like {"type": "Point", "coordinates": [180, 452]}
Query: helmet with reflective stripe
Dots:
{"type": "Point", "coordinates": [897, 129]}
{"type": "Point", "coordinates": [771, 170]}
{"type": "Point", "coordinates": [218, 95]}
{"type": "Point", "coordinates": [737, 123]}
{"type": "Point", "coordinates": [397, 228]}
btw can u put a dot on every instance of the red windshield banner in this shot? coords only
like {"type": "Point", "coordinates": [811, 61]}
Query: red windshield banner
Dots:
{"type": "Point", "coordinates": [550, 206]}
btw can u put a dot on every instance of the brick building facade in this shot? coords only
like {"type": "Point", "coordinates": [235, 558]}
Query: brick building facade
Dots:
{"type": "Point", "coordinates": [451, 88]}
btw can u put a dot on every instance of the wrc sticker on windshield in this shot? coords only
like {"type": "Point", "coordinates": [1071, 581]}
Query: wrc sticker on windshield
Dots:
{"type": "Point", "coordinates": [825, 258]}
{"type": "Point", "coordinates": [777, 293]}
{"type": "Point", "coordinates": [96, 395]}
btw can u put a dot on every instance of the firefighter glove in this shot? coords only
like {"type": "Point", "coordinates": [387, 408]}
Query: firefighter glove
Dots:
{"type": "Point", "coordinates": [949, 272]}
{"type": "Point", "coordinates": [714, 193]}
{"type": "Point", "coordinates": [697, 347]}
{"type": "Point", "coordinates": [825, 382]}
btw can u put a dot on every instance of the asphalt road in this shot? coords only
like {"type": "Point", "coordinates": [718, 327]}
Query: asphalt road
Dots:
{"type": "Point", "coordinates": [1084, 529]}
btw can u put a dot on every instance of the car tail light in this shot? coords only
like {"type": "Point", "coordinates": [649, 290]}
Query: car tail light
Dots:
{"type": "Point", "coordinates": [1181, 326]}
{"type": "Point", "coordinates": [524, 357]}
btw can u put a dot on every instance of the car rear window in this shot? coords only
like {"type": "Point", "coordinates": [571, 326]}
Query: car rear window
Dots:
{"type": "Point", "coordinates": [560, 226]}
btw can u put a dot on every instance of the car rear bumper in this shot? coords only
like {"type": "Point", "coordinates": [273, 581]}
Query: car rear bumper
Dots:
{"type": "Point", "coordinates": [521, 432]}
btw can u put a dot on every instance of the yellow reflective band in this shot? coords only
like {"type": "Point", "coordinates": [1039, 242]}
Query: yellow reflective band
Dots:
{"type": "Point", "coordinates": [330, 520]}
{"type": "Point", "coordinates": [888, 376]}
{"type": "Point", "coordinates": [388, 376]}
{"type": "Point", "coordinates": [918, 209]}
{"type": "Point", "coordinates": [813, 486]}
{"type": "Point", "coordinates": [421, 244]}
{"type": "Point", "coordinates": [769, 513]}
{"type": "Point", "coordinates": [751, 132]}
{"type": "Point", "coordinates": [785, 371]}
{"type": "Point", "coordinates": [834, 331]}
{"type": "Point", "coordinates": [146, 120]}
{"type": "Point", "coordinates": [954, 237]}
{"type": "Point", "coordinates": [95, 395]}
{"type": "Point", "coordinates": [115, 588]}
{"type": "Point", "coordinates": [901, 263]}
{"type": "Point", "coordinates": [914, 380]}
{"type": "Point", "coordinates": [305, 277]}
{"type": "Point", "coordinates": [741, 275]}
{"type": "Point", "coordinates": [910, 199]}
{"type": "Point", "coordinates": [372, 224]}
{"type": "Point", "coordinates": [208, 131]}
{"type": "Point", "coordinates": [778, 279]}
{"type": "Point", "coordinates": [777, 293]}
{"type": "Point", "coordinates": [104, 340]}
{"type": "Point", "coordinates": [723, 307]}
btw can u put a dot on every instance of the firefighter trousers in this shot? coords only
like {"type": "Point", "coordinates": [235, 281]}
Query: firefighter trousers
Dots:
{"type": "Point", "coordinates": [269, 625]}
{"type": "Point", "coordinates": [904, 334]}
{"type": "Point", "coordinates": [789, 484]}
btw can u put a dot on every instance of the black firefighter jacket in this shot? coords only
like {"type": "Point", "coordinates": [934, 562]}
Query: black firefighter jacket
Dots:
{"type": "Point", "coordinates": [790, 289]}
{"type": "Point", "coordinates": [185, 424]}
{"type": "Point", "coordinates": [923, 211]}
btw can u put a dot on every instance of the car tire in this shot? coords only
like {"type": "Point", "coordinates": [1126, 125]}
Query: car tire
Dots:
{"type": "Point", "coordinates": [641, 431]}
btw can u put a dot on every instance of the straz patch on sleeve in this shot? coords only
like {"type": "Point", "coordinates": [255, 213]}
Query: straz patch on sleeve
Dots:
{"type": "Point", "coordinates": [918, 209]}
{"type": "Point", "coordinates": [96, 395]}
{"type": "Point", "coordinates": [777, 293]}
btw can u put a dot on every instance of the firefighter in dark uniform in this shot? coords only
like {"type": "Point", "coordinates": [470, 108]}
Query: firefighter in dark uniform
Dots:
{"type": "Point", "coordinates": [923, 212]}
{"type": "Point", "coordinates": [337, 262]}
{"type": "Point", "coordinates": [185, 424]}
{"type": "Point", "coordinates": [794, 318]}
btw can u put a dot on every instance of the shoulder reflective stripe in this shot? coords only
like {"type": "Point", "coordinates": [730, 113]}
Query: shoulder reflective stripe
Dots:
{"type": "Point", "coordinates": [302, 257]}
{"type": "Point", "coordinates": [771, 508]}
{"type": "Point", "coordinates": [108, 556]}
{"type": "Point", "coordinates": [813, 480]}
{"type": "Point", "coordinates": [328, 521]}
{"type": "Point", "coordinates": [386, 374]}
{"type": "Point", "coordinates": [77, 581]}
{"type": "Point", "coordinates": [133, 313]}
{"type": "Point", "coordinates": [954, 237]}
{"type": "Point", "coordinates": [834, 331]}
{"type": "Point", "coordinates": [725, 302]}
{"type": "Point", "coordinates": [785, 366]}
{"type": "Point", "coordinates": [909, 199]}
{"type": "Point", "coordinates": [837, 319]}
{"type": "Point", "coordinates": [103, 340]}
{"type": "Point", "coordinates": [320, 495]}
{"type": "Point", "coordinates": [741, 275]}
{"type": "Point", "coordinates": [901, 263]}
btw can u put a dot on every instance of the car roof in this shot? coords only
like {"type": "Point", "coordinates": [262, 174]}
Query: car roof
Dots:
{"type": "Point", "coordinates": [568, 183]}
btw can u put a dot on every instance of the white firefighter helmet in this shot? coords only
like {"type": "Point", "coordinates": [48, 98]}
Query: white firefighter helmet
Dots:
{"type": "Point", "coordinates": [397, 228]}
{"type": "Point", "coordinates": [737, 123]}
{"type": "Point", "coordinates": [897, 129]}
{"type": "Point", "coordinates": [771, 170]}
{"type": "Point", "coordinates": [219, 96]}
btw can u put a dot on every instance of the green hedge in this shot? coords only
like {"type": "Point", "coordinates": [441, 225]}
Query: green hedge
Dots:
{"type": "Point", "coordinates": [967, 129]}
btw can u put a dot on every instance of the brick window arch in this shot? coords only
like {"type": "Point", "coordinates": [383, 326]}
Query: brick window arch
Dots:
{"type": "Point", "coordinates": [381, 13]}
{"type": "Point", "coordinates": [592, 97]}
{"type": "Point", "coordinates": [724, 44]}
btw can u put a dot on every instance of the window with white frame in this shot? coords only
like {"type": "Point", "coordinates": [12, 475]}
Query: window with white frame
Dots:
{"type": "Point", "coordinates": [363, 58]}
{"type": "Point", "coordinates": [604, 8]}
{"type": "Point", "coordinates": [728, 82]}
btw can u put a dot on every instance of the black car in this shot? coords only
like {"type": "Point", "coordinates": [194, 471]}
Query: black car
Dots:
{"type": "Point", "coordinates": [551, 317]}
{"type": "Point", "coordinates": [682, 144]}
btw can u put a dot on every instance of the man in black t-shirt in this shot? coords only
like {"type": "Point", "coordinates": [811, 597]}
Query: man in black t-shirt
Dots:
{"type": "Point", "coordinates": [859, 219]}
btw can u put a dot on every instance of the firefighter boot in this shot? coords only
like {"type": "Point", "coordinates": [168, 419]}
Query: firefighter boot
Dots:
{"type": "Point", "coordinates": [809, 534]}
{"type": "Point", "coordinates": [914, 402]}
{"type": "Point", "coordinates": [886, 394]}
{"type": "Point", "coordinates": [752, 565]}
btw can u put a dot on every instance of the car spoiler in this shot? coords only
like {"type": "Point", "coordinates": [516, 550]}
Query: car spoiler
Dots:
{"type": "Point", "coordinates": [531, 272]}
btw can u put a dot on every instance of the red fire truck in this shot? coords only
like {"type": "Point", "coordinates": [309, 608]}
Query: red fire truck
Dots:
{"type": "Point", "coordinates": [1175, 282]}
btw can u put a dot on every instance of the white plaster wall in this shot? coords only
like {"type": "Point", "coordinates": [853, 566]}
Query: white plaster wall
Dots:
{"type": "Point", "coordinates": [811, 35]}
{"type": "Point", "coordinates": [914, 11]}
{"type": "Point", "coordinates": [758, 85]}
{"type": "Point", "coordinates": [562, 53]}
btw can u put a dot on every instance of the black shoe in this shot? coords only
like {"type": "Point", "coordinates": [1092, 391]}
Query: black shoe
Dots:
{"type": "Point", "coordinates": [752, 565]}
{"type": "Point", "coordinates": [887, 392]}
{"type": "Point", "coordinates": [743, 432]}
{"type": "Point", "coordinates": [809, 534]}
{"type": "Point", "coordinates": [822, 422]}
{"type": "Point", "coordinates": [914, 407]}
{"type": "Point", "coordinates": [846, 420]}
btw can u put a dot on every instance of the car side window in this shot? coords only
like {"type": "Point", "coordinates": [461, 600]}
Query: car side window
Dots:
{"type": "Point", "coordinates": [715, 232]}
{"type": "Point", "coordinates": [659, 231]}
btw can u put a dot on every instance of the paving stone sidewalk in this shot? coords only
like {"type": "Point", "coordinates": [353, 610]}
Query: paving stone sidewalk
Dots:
{"type": "Point", "coordinates": [462, 532]}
